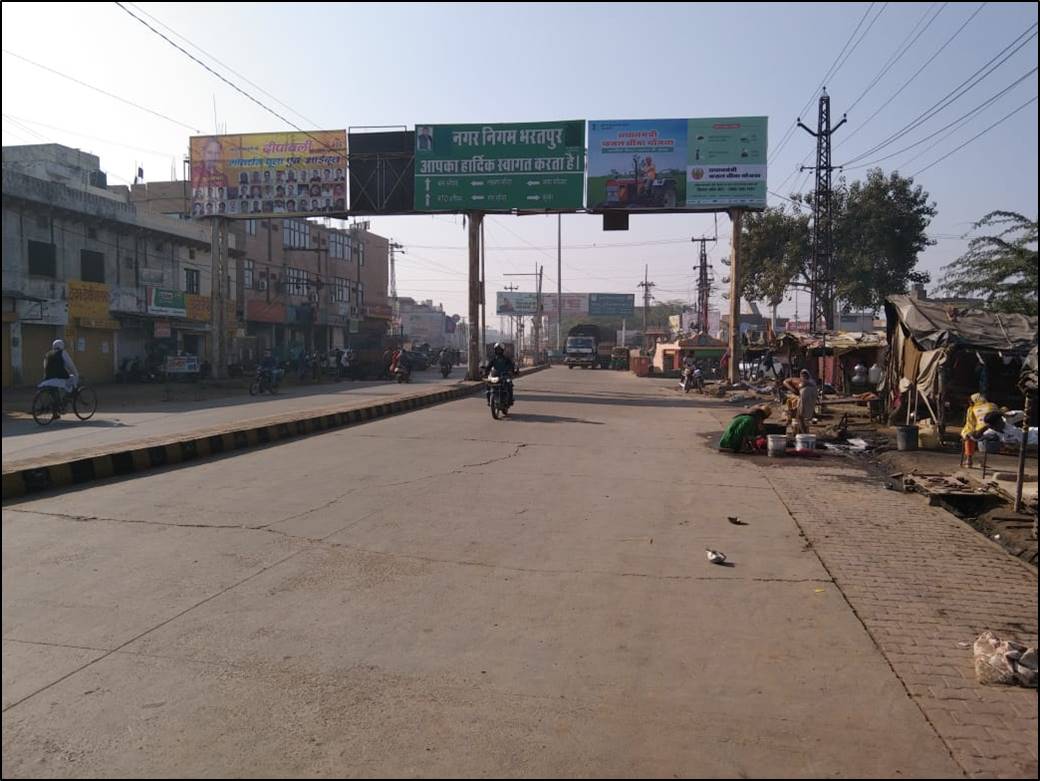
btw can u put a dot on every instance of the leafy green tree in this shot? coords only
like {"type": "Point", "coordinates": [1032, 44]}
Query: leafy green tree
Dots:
{"type": "Point", "coordinates": [1000, 267]}
{"type": "Point", "coordinates": [880, 227]}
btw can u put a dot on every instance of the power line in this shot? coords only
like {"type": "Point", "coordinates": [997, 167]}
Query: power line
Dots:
{"type": "Point", "coordinates": [94, 138]}
{"type": "Point", "coordinates": [977, 135]}
{"type": "Point", "coordinates": [227, 81]}
{"type": "Point", "coordinates": [823, 81]}
{"type": "Point", "coordinates": [957, 121]}
{"type": "Point", "coordinates": [222, 64]}
{"type": "Point", "coordinates": [896, 94]}
{"type": "Point", "coordinates": [917, 73]}
{"type": "Point", "coordinates": [953, 95]}
{"type": "Point", "coordinates": [103, 92]}
{"type": "Point", "coordinates": [901, 50]}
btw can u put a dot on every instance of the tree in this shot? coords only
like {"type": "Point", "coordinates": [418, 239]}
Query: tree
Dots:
{"type": "Point", "coordinates": [775, 251]}
{"type": "Point", "coordinates": [879, 231]}
{"type": "Point", "coordinates": [878, 234]}
{"type": "Point", "coordinates": [1001, 268]}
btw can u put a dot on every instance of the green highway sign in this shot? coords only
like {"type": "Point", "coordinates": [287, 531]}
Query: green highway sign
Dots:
{"type": "Point", "coordinates": [527, 166]}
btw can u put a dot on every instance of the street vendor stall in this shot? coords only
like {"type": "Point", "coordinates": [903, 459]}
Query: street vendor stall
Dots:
{"type": "Point", "coordinates": [833, 357]}
{"type": "Point", "coordinates": [668, 356]}
{"type": "Point", "coordinates": [942, 353]}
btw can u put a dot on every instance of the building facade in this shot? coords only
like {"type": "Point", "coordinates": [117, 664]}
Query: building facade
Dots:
{"type": "Point", "coordinates": [83, 264]}
{"type": "Point", "coordinates": [303, 285]}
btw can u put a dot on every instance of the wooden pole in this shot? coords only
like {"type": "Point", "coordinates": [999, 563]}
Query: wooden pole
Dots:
{"type": "Point", "coordinates": [1022, 461]}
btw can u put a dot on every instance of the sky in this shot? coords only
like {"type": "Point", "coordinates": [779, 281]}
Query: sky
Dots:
{"type": "Point", "coordinates": [328, 66]}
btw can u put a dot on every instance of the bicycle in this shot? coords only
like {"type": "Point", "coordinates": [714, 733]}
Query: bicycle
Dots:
{"type": "Point", "coordinates": [50, 403]}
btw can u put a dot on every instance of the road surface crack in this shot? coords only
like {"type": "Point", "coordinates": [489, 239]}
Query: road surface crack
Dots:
{"type": "Point", "coordinates": [93, 518]}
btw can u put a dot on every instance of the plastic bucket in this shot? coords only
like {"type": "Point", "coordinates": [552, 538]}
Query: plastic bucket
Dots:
{"type": "Point", "coordinates": [776, 444]}
{"type": "Point", "coordinates": [805, 441]}
{"type": "Point", "coordinates": [906, 438]}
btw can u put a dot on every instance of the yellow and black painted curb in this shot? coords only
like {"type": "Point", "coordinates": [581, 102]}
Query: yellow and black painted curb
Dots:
{"type": "Point", "coordinates": [125, 462]}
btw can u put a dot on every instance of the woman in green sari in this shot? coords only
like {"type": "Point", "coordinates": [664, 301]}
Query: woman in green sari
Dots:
{"type": "Point", "coordinates": [744, 429]}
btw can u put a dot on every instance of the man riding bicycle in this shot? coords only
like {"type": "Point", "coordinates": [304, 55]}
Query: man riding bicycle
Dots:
{"type": "Point", "coordinates": [59, 370]}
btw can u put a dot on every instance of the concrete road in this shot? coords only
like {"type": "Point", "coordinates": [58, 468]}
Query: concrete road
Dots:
{"type": "Point", "coordinates": [124, 423]}
{"type": "Point", "coordinates": [440, 594]}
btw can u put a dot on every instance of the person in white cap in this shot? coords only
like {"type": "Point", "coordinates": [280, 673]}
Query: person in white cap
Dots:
{"type": "Point", "coordinates": [59, 368]}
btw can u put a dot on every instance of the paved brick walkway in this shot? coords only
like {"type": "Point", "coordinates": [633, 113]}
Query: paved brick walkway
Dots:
{"type": "Point", "coordinates": [921, 581]}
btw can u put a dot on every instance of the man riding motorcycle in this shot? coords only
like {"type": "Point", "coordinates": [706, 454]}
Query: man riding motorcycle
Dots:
{"type": "Point", "coordinates": [269, 366]}
{"type": "Point", "coordinates": [403, 364]}
{"type": "Point", "coordinates": [502, 366]}
{"type": "Point", "coordinates": [692, 374]}
{"type": "Point", "coordinates": [444, 361]}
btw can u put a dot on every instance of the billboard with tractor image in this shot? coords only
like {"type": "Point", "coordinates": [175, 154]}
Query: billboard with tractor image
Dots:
{"type": "Point", "coordinates": [677, 164]}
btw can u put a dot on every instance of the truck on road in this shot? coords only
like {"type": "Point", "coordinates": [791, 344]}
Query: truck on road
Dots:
{"type": "Point", "coordinates": [588, 346]}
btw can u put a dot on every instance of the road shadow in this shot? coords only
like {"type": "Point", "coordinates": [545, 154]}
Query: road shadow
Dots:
{"type": "Point", "coordinates": [529, 418]}
{"type": "Point", "coordinates": [614, 400]}
{"type": "Point", "coordinates": [19, 427]}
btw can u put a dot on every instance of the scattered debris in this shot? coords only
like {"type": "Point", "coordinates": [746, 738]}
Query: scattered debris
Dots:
{"type": "Point", "coordinates": [1004, 662]}
{"type": "Point", "coordinates": [735, 520]}
{"type": "Point", "coordinates": [741, 398]}
{"type": "Point", "coordinates": [939, 486]}
{"type": "Point", "coordinates": [715, 557]}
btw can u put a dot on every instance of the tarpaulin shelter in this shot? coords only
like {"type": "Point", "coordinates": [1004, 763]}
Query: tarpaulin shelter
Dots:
{"type": "Point", "coordinates": [940, 353]}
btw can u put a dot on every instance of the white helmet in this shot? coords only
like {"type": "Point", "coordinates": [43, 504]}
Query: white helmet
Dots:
{"type": "Point", "coordinates": [57, 344]}
{"type": "Point", "coordinates": [499, 346]}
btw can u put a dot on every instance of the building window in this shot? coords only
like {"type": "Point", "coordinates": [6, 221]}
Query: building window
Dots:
{"type": "Point", "coordinates": [297, 282]}
{"type": "Point", "coordinates": [191, 281]}
{"type": "Point", "coordinates": [42, 262]}
{"type": "Point", "coordinates": [296, 234]}
{"type": "Point", "coordinates": [338, 243]}
{"type": "Point", "coordinates": [91, 266]}
{"type": "Point", "coordinates": [250, 227]}
{"type": "Point", "coordinates": [340, 290]}
{"type": "Point", "coordinates": [360, 295]}
{"type": "Point", "coordinates": [361, 251]}
{"type": "Point", "coordinates": [191, 253]}
{"type": "Point", "coordinates": [248, 270]}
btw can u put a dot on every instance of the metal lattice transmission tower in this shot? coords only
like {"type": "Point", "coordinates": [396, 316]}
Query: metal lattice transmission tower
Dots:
{"type": "Point", "coordinates": [822, 283]}
{"type": "Point", "coordinates": [704, 280]}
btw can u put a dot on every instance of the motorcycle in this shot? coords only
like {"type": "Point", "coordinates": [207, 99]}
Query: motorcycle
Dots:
{"type": "Point", "coordinates": [265, 380]}
{"type": "Point", "coordinates": [445, 370]}
{"type": "Point", "coordinates": [692, 378]}
{"type": "Point", "coordinates": [402, 374]}
{"type": "Point", "coordinates": [499, 396]}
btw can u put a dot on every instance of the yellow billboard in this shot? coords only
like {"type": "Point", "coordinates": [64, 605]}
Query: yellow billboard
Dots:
{"type": "Point", "coordinates": [259, 174]}
{"type": "Point", "coordinates": [88, 300]}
